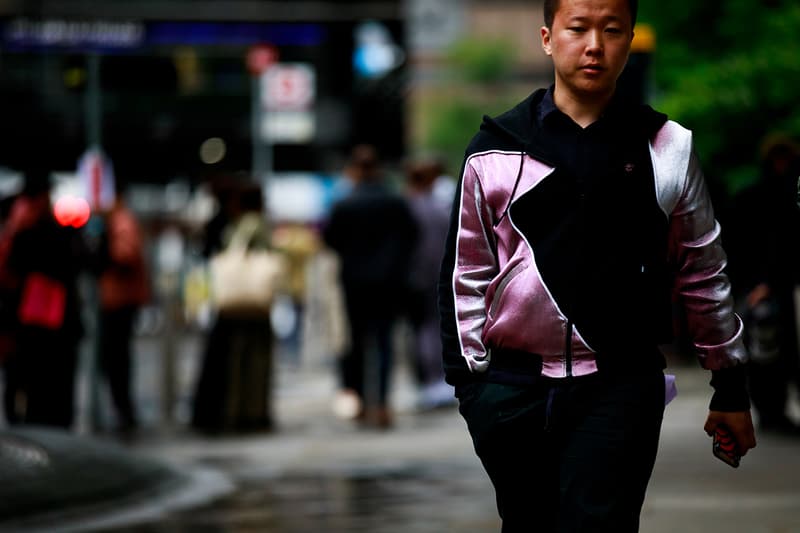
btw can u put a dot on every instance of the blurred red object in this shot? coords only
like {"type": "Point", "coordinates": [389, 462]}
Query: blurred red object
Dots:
{"type": "Point", "coordinates": [43, 301]}
{"type": "Point", "coordinates": [72, 211]}
{"type": "Point", "coordinates": [260, 57]}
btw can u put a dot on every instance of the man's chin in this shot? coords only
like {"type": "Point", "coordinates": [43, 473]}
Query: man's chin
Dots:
{"type": "Point", "coordinates": [594, 91]}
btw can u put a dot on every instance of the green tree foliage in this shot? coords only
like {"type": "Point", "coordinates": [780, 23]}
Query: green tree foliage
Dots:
{"type": "Point", "coordinates": [456, 120]}
{"type": "Point", "coordinates": [480, 70]}
{"type": "Point", "coordinates": [482, 61]}
{"type": "Point", "coordinates": [730, 71]}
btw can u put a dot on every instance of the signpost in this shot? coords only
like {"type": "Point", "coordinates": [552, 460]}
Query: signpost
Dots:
{"type": "Point", "coordinates": [90, 169]}
{"type": "Point", "coordinates": [259, 59]}
{"type": "Point", "coordinates": [288, 92]}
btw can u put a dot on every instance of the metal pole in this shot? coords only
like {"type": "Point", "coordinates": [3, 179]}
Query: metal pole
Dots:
{"type": "Point", "coordinates": [262, 150]}
{"type": "Point", "coordinates": [169, 349]}
{"type": "Point", "coordinates": [94, 133]}
{"type": "Point", "coordinates": [93, 117]}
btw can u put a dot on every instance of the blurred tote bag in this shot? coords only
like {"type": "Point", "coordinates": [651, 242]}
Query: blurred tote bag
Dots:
{"type": "Point", "coordinates": [245, 281]}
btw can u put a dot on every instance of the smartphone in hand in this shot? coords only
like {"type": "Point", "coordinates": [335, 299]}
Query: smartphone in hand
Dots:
{"type": "Point", "coordinates": [725, 447]}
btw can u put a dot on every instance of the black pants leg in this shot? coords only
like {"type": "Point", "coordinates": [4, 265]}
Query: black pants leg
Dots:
{"type": "Point", "coordinates": [381, 330]}
{"type": "Point", "coordinates": [13, 386]}
{"type": "Point", "coordinates": [367, 367]}
{"type": "Point", "coordinates": [51, 361]}
{"type": "Point", "coordinates": [115, 355]}
{"type": "Point", "coordinates": [568, 456]}
{"type": "Point", "coordinates": [209, 404]}
{"type": "Point", "coordinates": [352, 362]}
{"type": "Point", "coordinates": [507, 428]}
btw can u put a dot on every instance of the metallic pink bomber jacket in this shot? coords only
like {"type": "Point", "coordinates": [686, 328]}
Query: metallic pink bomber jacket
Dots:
{"type": "Point", "coordinates": [500, 298]}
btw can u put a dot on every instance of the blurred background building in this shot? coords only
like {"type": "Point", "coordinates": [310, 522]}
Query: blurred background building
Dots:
{"type": "Point", "coordinates": [166, 89]}
{"type": "Point", "coordinates": [171, 97]}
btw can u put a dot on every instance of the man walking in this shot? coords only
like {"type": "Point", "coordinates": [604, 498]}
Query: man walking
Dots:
{"type": "Point", "coordinates": [579, 216]}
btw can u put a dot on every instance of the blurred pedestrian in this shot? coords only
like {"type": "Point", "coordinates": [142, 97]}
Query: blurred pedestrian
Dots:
{"type": "Point", "coordinates": [299, 243]}
{"type": "Point", "coordinates": [373, 232]}
{"type": "Point", "coordinates": [124, 287]}
{"type": "Point", "coordinates": [42, 261]}
{"type": "Point", "coordinates": [765, 231]}
{"type": "Point", "coordinates": [226, 198]}
{"type": "Point", "coordinates": [8, 289]}
{"type": "Point", "coordinates": [578, 213]}
{"type": "Point", "coordinates": [234, 389]}
{"type": "Point", "coordinates": [208, 407]}
{"type": "Point", "coordinates": [431, 213]}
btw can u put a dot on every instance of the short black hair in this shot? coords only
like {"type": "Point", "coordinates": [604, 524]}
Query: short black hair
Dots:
{"type": "Point", "coordinates": [551, 6]}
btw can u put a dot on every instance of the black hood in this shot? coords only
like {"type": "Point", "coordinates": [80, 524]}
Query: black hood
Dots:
{"type": "Point", "coordinates": [516, 129]}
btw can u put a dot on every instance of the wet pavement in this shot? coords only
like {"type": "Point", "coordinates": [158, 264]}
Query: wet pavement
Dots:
{"type": "Point", "coordinates": [413, 500]}
{"type": "Point", "coordinates": [320, 473]}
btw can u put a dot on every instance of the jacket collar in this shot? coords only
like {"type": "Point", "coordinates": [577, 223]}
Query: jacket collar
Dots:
{"type": "Point", "coordinates": [520, 126]}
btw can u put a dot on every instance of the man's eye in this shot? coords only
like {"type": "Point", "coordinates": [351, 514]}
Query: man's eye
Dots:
{"type": "Point", "coordinates": [613, 30]}
{"type": "Point", "coordinates": [576, 28]}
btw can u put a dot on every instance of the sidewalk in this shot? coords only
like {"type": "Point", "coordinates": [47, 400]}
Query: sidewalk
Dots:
{"type": "Point", "coordinates": [690, 492]}
{"type": "Point", "coordinates": [310, 444]}
{"type": "Point", "coordinates": [319, 473]}
{"type": "Point", "coordinates": [52, 479]}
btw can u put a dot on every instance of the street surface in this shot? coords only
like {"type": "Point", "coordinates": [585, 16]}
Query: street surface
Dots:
{"type": "Point", "coordinates": [321, 473]}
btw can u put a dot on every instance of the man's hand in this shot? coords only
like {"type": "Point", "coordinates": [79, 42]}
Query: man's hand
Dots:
{"type": "Point", "coordinates": [739, 423]}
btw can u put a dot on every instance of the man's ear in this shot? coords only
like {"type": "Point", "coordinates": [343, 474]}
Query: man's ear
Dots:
{"type": "Point", "coordinates": [545, 33]}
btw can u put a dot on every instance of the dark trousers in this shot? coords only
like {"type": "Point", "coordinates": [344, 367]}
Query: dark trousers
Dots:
{"type": "Point", "coordinates": [567, 456]}
{"type": "Point", "coordinates": [44, 373]}
{"type": "Point", "coordinates": [115, 360]}
{"type": "Point", "coordinates": [366, 367]}
{"type": "Point", "coordinates": [14, 385]}
{"type": "Point", "coordinates": [423, 315]}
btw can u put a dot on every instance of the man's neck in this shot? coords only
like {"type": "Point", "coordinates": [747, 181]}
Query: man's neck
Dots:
{"type": "Point", "coordinates": [583, 111]}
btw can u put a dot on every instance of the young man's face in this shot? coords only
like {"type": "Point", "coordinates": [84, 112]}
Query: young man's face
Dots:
{"type": "Point", "coordinates": [589, 43]}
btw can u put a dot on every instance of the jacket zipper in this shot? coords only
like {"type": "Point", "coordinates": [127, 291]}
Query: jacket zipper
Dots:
{"type": "Point", "coordinates": [568, 349]}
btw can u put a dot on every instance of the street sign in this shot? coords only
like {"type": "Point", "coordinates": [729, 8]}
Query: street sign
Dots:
{"type": "Point", "coordinates": [288, 127]}
{"type": "Point", "coordinates": [288, 87]}
{"type": "Point", "coordinates": [287, 97]}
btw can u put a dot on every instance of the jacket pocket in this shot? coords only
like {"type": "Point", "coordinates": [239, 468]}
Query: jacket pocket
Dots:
{"type": "Point", "coordinates": [501, 287]}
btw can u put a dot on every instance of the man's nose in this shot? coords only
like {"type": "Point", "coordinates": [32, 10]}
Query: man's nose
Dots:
{"type": "Point", "coordinates": [595, 45]}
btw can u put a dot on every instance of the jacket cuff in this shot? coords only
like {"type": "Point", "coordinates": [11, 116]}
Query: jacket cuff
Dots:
{"type": "Point", "coordinates": [730, 353]}
{"type": "Point", "coordinates": [730, 389]}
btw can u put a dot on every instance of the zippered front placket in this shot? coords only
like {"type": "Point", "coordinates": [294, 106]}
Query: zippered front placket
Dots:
{"type": "Point", "coordinates": [568, 350]}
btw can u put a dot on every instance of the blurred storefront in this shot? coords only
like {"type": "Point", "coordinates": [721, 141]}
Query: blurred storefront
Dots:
{"type": "Point", "coordinates": [174, 93]}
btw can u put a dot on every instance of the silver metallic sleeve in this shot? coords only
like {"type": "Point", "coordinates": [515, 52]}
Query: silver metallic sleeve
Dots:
{"type": "Point", "coordinates": [703, 286]}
